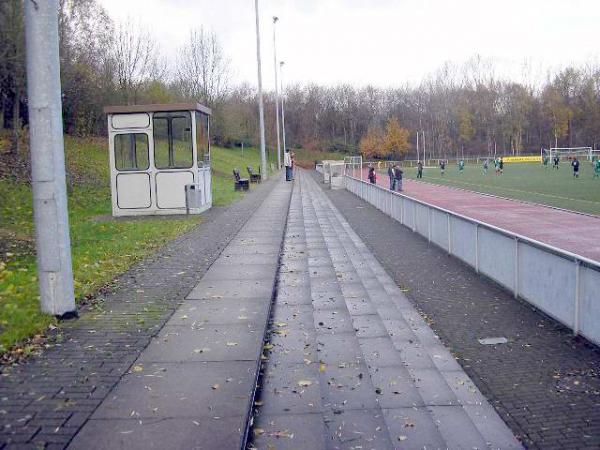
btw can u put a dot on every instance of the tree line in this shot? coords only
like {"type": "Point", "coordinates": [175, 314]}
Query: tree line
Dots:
{"type": "Point", "coordinates": [458, 110]}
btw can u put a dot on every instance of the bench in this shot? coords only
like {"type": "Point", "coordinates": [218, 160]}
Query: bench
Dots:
{"type": "Point", "coordinates": [254, 177]}
{"type": "Point", "coordinates": [240, 184]}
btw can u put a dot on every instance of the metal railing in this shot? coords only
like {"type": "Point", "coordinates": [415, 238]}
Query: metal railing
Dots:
{"type": "Point", "coordinates": [564, 285]}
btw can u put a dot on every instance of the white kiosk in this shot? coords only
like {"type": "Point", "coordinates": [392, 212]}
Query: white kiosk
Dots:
{"type": "Point", "coordinates": [159, 159]}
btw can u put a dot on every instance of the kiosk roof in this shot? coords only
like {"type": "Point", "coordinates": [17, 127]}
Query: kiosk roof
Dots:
{"type": "Point", "coordinates": [157, 108]}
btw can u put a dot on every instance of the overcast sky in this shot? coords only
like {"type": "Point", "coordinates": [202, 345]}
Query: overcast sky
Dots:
{"type": "Point", "coordinates": [379, 42]}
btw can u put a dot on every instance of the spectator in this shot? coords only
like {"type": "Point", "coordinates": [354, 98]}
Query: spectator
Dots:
{"type": "Point", "coordinates": [287, 162]}
{"type": "Point", "coordinates": [392, 176]}
{"type": "Point", "coordinates": [398, 178]}
{"type": "Point", "coordinates": [372, 175]}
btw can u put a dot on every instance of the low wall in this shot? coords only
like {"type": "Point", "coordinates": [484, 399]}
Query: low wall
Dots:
{"type": "Point", "coordinates": [564, 285]}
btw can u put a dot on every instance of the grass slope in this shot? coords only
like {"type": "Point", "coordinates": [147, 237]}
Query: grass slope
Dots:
{"type": "Point", "coordinates": [529, 182]}
{"type": "Point", "coordinates": [102, 248]}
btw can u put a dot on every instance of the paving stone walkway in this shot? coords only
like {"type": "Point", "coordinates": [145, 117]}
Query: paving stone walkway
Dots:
{"type": "Point", "coordinates": [544, 382]}
{"type": "Point", "coordinates": [46, 400]}
{"type": "Point", "coordinates": [193, 386]}
{"type": "Point", "coordinates": [351, 363]}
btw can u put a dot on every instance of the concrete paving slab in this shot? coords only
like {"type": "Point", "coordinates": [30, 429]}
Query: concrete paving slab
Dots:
{"type": "Point", "coordinates": [456, 427]}
{"type": "Point", "coordinates": [347, 386]}
{"type": "Point", "coordinates": [134, 434]}
{"type": "Point", "coordinates": [333, 321]}
{"type": "Point", "coordinates": [413, 429]}
{"type": "Point", "coordinates": [176, 390]}
{"type": "Point", "coordinates": [432, 387]}
{"type": "Point", "coordinates": [241, 271]}
{"type": "Point", "coordinates": [198, 313]}
{"type": "Point", "coordinates": [379, 352]}
{"type": "Point", "coordinates": [395, 388]}
{"type": "Point", "coordinates": [357, 429]}
{"type": "Point", "coordinates": [369, 326]}
{"type": "Point", "coordinates": [339, 349]}
{"type": "Point", "coordinates": [291, 389]}
{"type": "Point", "coordinates": [217, 289]}
{"type": "Point", "coordinates": [289, 432]}
{"type": "Point", "coordinates": [212, 343]}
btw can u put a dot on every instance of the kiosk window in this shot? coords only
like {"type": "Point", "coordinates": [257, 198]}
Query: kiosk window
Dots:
{"type": "Point", "coordinates": [202, 139]}
{"type": "Point", "coordinates": [131, 151]}
{"type": "Point", "coordinates": [173, 140]}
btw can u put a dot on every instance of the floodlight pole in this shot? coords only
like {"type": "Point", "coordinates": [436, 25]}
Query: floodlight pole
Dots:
{"type": "Point", "coordinates": [281, 64]}
{"type": "Point", "coordinates": [275, 19]}
{"type": "Point", "coordinates": [53, 243]}
{"type": "Point", "coordinates": [261, 109]}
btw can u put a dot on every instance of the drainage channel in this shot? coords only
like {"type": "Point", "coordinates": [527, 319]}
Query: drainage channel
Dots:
{"type": "Point", "coordinates": [261, 363]}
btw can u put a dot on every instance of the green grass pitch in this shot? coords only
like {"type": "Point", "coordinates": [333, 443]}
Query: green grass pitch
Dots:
{"type": "Point", "coordinates": [525, 181]}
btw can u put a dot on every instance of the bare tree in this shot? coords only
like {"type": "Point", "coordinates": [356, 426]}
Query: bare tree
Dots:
{"type": "Point", "coordinates": [135, 59]}
{"type": "Point", "coordinates": [12, 67]}
{"type": "Point", "coordinates": [203, 69]}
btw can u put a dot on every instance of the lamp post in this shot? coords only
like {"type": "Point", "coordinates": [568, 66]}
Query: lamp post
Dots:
{"type": "Point", "coordinates": [48, 180]}
{"type": "Point", "coordinates": [281, 64]}
{"type": "Point", "coordinates": [261, 109]}
{"type": "Point", "coordinates": [275, 19]}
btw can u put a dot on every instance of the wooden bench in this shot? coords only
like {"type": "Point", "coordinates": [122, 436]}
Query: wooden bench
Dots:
{"type": "Point", "coordinates": [240, 184]}
{"type": "Point", "coordinates": [254, 177]}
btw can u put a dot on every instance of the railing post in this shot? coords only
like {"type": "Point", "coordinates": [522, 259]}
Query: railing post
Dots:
{"type": "Point", "coordinates": [414, 207]}
{"type": "Point", "coordinates": [477, 248]}
{"type": "Point", "coordinates": [577, 296]}
{"type": "Point", "coordinates": [449, 233]}
{"type": "Point", "coordinates": [429, 224]}
{"type": "Point", "coordinates": [402, 210]}
{"type": "Point", "coordinates": [516, 287]}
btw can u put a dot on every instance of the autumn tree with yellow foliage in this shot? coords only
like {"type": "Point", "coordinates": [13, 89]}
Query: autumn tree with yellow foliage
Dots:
{"type": "Point", "coordinates": [371, 145]}
{"type": "Point", "coordinates": [396, 142]}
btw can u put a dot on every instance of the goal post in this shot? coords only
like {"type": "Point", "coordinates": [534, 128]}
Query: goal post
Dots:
{"type": "Point", "coordinates": [570, 152]}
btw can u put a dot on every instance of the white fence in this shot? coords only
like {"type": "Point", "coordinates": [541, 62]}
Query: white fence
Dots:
{"type": "Point", "coordinates": [564, 285]}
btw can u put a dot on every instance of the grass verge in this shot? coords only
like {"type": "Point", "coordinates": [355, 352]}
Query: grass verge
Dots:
{"type": "Point", "coordinates": [102, 248]}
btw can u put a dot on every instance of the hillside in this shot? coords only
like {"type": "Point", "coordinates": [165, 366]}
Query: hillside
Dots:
{"type": "Point", "coordinates": [102, 247]}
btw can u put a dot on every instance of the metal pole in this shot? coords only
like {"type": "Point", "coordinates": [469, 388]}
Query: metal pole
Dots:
{"type": "Point", "coordinates": [282, 105]}
{"type": "Point", "coordinates": [261, 109]}
{"type": "Point", "coordinates": [275, 19]}
{"type": "Point", "coordinates": [53, 243]}
{"type": "Point", "coordinates": [418, 146]}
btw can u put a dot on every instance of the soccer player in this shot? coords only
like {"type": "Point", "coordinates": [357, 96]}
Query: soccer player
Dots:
{"type": "Point", "coordinates": [501, 166]}
{"type": "Point", "coordinates": [419, 169]}
{"type": "Point", "coordinates": [485, 166]}
{"type": "Point", "coordinates": [575, 164]}
{"type": "Point", "coordinates": [546, 160]}
{"type": "Point", "coordinates": [556, 161]}
{"type": "Point", "coordinates": [497, 165]}
{"type": "Point", "coordinates": [461, 165]}
{"type": "Point", "coordinates": [442, 167]}
{"type": "Point", "coordinates": [597, 168]}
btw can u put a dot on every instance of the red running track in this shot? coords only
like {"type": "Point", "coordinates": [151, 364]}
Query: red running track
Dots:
{"type": "Point", "coordinates": [573, 232]}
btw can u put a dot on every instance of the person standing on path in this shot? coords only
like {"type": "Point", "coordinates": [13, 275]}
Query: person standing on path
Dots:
{"type": "Point", "coordinates": [287, 162]}
{"type": "Point", "coordinates": [391, 175]}
{"type": "Point", "coordinates": [419, 169]}
{"type": "Point", "coordinates": [398, 177]}
{"type": "Point", "coordinates": [372, 175]}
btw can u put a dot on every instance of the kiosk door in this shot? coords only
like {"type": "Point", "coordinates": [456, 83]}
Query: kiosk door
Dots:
{"type": "Point", "coordinates": [131, 157]}
{"type": "Point", "coordinates": [173, 158]}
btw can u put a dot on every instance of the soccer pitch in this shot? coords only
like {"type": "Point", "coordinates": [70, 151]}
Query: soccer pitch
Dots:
{"type": "Point", "coordinates": [529, 182]}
